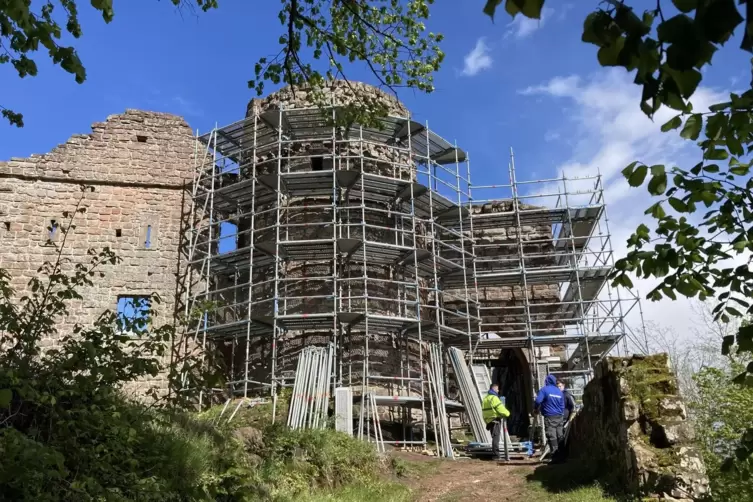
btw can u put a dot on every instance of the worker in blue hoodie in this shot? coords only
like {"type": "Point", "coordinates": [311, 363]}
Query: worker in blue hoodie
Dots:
{"type": "Point", "coordinates": [550, 402]}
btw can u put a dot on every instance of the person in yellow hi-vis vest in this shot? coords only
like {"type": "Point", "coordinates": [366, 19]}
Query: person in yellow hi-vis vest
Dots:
{"type": "Point", "coordinates": [493, 411]}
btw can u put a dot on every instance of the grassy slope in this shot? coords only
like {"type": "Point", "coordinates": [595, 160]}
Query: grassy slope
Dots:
{"type": "Point", "coordinates": [324, 465]}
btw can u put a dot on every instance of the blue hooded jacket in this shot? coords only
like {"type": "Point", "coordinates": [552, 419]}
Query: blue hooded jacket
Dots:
{"type": "Point", "coordinates": [550, 400]}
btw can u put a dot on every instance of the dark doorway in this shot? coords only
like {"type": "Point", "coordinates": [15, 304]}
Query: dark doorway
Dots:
{"type": "Point", "coordinates": [512, 373]}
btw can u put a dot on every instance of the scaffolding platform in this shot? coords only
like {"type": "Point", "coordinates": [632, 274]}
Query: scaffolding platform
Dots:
{"type": "Point", "coordinates": [538, 275]}
{"type": "Point", "coordinates": [260, 134]}
{"type": "Point", "coordinates": [356, 235]}
{"type": "Point", "coordinates": [414, 402]}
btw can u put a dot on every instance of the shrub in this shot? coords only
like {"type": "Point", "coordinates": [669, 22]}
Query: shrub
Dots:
{"type": "Point", "coordinates": [66, 430]}
{"type": "Point", "coordinates": [67, 433]}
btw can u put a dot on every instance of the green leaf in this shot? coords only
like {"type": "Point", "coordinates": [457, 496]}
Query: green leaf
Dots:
{"type": "Point", "coordinates": [733, 145]}
{"type": "Point", "coordinates": [677, 29]}
{"type": "Point", "coordinates": [656, 210]}
{"type": "Point", "coordinates": [685, 6]}
{"type": "Point", "coordinates": [719, 20]}
{"type": "Point", "coordinates": [15, 119]}
{"type": "Point", "coordinates": [686, 80]}
{"type": "Point", "coordinates": [692, 128]}
{"type": "Point", "coordinates": [609, 55]}
{"type": "Point", "coordinates": [6, 396]}
{"type": "Point", "coordinates": [740, 169]}
{"type": "Point", "coordinates": [658, 184]}
{"type": "Point", "coordinates": [677, 205]}
{"type": "Point", "coordinates": [745, 338]}
{"type": "Point", "coordinates": [727, 342]}
{"type": "Point", "coordinates": [490, 8]}
{"type": "Point", "coordinates": [530, 8]}
{"type": "Point", "coordinates": [636, 178]}
{"type": "Point", "coordinates": [716, 154]}
{"type": "Point", "coordinates": [716, 125]}
{"type": "Point", "coordinates": [673, 123]}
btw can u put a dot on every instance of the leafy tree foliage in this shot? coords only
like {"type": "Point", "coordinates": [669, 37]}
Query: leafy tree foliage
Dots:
{"type": "Point", "coordinates": [318, 38]}
{"type": "Point", "coordinates": [703, 213]}
{"type": "Point", "coordinates": [66, 430]}
{"type": "Point", "coordinates": [721, 411]}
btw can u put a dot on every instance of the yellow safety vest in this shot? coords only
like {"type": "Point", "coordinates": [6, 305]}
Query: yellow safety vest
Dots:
{"type": "Point", "coordinates": [492, 408]}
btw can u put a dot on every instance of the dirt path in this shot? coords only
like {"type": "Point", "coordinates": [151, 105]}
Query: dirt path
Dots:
{"type": "Point", "coordinates": [467, 479]}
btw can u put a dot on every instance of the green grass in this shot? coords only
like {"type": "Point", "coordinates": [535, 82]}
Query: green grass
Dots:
{"type": "Point", "coordinates": [377, 491]}
{"type": "Point", "coordinates": [561, 483]}
{"type": "Point", "coordinates": [414, 468]}
{"type": "Point", "coordinates": [582, 494]}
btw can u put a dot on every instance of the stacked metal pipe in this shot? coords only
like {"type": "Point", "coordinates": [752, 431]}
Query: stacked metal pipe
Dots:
{"type": "Point", "coordinates": [311, 388]}
{"type": "Point", "coordinates": [378, 438]}
{"type": "Point", "coordinates": [469, 394]}
{"type": "Point", "coordinates": [437, 398]}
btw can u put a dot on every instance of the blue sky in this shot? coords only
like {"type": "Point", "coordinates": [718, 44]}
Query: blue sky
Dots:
{"type": "Point", "coordinates": [530, 85]}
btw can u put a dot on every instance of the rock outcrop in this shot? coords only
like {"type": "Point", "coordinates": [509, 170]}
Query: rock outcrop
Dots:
{"type": "Point", "coordinates": [633, 432]}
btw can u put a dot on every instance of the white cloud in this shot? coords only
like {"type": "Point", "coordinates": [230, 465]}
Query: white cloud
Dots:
{"type": "Point", "coordinates": [523, 27]}
{"type": "Point", "coordinates": [477, 60]}
{"type": "Point", "coordinates": [607, 131]}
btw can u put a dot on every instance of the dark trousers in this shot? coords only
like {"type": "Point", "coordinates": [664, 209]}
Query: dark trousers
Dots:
{"type": "Point", "coordinates": [554, 431]}
{"type": "Point", "coordinates": [495, 428]}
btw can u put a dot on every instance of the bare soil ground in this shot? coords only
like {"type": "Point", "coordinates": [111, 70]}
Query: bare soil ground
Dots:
{"type": "Point", "coordinates": [431, 479]}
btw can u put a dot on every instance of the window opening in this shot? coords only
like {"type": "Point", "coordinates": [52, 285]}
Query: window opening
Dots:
{"type": "Point", "coordinates": [228, 240]}
{"type": "Point", "coordinates": [133, 313]}
{"type": "Point", "coordinates": [52, 230]}
{"type": "Point", "coordinates": [148, 240]}
{"type": "Point", "coordinates": [141, 139]}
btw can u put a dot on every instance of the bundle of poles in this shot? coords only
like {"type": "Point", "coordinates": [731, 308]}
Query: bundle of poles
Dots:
{"type": "Point", "coordinates": [437, 400]}
{"type": "Point", "coordinates": [470, 394]}
{"type": "Point", "coordinates": [311, 388]}
{"type": "Point", "coordinates": [369, 406]}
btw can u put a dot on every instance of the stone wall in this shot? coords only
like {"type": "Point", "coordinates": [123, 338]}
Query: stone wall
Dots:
{"type": "Point", "coordinates": [311, 217]}
{"type": "Point", "coordinates": [337, 92]}
{"type": "Point", "coordinates": [502, 244]}
{"type": "Point", "coordinates": [136, 165]}
{"type": "Point", "coordinates": [633, 432]}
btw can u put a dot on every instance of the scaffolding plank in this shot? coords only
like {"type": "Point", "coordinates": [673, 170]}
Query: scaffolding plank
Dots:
{"type": "Point", "coordinates": [539, 275]}
{"type": "Point", "coordinates": [239, 259]}
{"type": "Point", "coordinates": [598, 346]}
{"type": "Point", "coordinates": [310, 123]}
{"type": "Point", "coordinates": [261, 326]}
{"type": "Point", "coordinates": [575, 232]}
{"type": "Point", "coordinates": [523, 341]}
{"type": "Point", "coordinates": [528, 217]}
{"type": "Point", "coordinates": [589, 291]}
{"type": "Point", "coordinates": [344, 410]}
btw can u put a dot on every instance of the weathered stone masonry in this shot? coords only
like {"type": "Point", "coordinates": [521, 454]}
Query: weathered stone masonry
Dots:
{"type": "Point", "coordinates": [633, 433]}
{"type": "Point", "coordinates": [136, 165]}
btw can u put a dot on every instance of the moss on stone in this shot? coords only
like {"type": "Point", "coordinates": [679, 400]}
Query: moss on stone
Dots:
{"type": "Point", "coordinates": [649, 380]}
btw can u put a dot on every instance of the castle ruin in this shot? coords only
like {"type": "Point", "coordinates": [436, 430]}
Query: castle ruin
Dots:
{"type": "Point", "coordinates": [289, 229]}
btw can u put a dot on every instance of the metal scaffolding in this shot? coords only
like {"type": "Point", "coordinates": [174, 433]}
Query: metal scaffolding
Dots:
{"type": "Point", "coordinates": [369, 239]}
{"type": "Point", "coordinates": [305, 233]}
{"type": "Point", "coordinates": [562, 310]}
